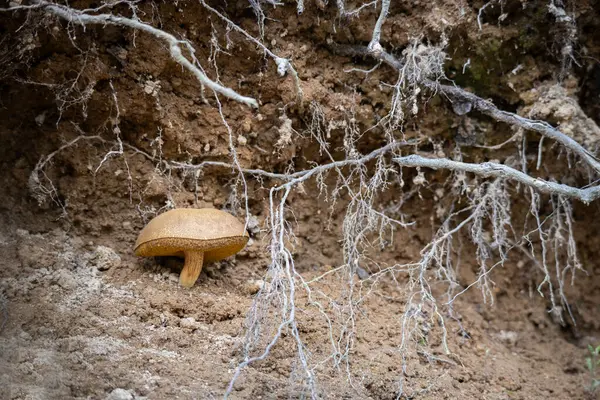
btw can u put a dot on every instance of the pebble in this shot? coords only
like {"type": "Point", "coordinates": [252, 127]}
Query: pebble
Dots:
{"type": "Point", "coordinates": [105, 258]}
{"type": "Point", "coordinates": [252, 286]}
{"type": "Point", "coordinates": [120, 394]}
{"type": "Point", "coordinates": [247, 126]}
{"type": "Point", "coordinates": [508, 337]}
{"type": "Point", "coordinates": [65, 280]}
{"type": "Point", "coordinates": [362, 273]}
{"type": "Point", "coordinates": [188, 323]}
{"type": "Point", "coordinates": [253, 225]}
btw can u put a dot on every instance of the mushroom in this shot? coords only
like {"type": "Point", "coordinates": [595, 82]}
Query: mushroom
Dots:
{"type": "Point", "coordinates": [196, 234]}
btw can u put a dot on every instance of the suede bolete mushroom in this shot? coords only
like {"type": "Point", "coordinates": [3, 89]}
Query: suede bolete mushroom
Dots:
{"type": "Point", "coordinates": [196, 234]}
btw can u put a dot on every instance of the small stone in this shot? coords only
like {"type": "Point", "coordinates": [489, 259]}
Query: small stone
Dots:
{"type": "Point", "coordinates": [24, 335]}
{"type": "Point", "coordinates": [119, 394]}
{"type": "Point", "coordinates": [126, 332]}
{"type": "Point", "coordinates": [122, 54]}
{"type": "Point", "coordinates": [508, 337]}
{"type": "Point", "coordinates": [247, 126]}
{"type": "Point", "coordinates": [22, 233]}
{"type": "Point", "coordinates": [462, 108]}
{"type": "Point", "coordinates": [362, 273]}
{"type": "Point", "coordinates": [242, 141]}
{"type": "Point", "coordinates": [39, 120]}
{"type": "Point", "coordinates": [105, 258]}
{"type": "Point", "coordinates": [252, 286]}
{"type": "Point", "coordinates": [65, 280]}
{"type": "Point", "coordinates": [207, 147]}
{"type": "Point", "coordinates": [253, 225]}
{"type": "Point", "coordinates": [188, 323]}
{"type": "Point", "coordinates": [151, 87]}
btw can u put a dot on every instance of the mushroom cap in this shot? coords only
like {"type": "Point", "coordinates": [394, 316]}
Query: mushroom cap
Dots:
{"type": "Point", "coordinates": [217, 233]}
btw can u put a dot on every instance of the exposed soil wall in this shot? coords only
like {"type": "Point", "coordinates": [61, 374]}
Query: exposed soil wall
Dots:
{"type": "Point", "coordinates": [83, 318]}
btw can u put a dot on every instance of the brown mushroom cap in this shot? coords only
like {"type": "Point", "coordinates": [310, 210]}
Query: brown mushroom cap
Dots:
{"type": "Point", "coordinates": [216, 233]}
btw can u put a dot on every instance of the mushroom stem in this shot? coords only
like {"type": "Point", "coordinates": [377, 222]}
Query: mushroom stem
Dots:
{"type": "Point", "coordinates": [192, 268]}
